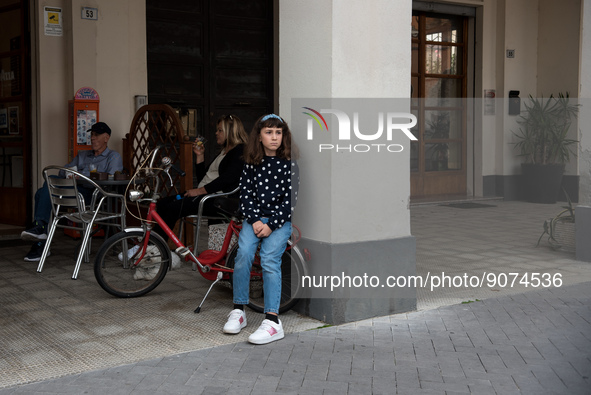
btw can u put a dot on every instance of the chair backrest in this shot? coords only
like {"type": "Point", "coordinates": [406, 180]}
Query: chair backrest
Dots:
{"type": "Point", "coordinates": [64, 191]}
{"type": "Point", "coordinates": [159, 125]}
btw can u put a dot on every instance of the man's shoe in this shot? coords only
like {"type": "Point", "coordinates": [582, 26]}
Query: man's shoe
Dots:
{"type": "Point", "coordinates": [268, 332]}
{"type": "Point", "coordinates": [35, 252]}
{"type": "Point", "coordinates": [236, 321]}
{"type": "Point", "coordinates": [36, 233]}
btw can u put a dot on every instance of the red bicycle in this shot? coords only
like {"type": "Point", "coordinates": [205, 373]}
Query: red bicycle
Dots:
{"type": "Point", "coordinates": [134, 261]}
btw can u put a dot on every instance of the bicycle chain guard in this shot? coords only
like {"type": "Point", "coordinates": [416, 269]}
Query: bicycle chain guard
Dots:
{"type": "Point", "coordinates": [211, 275]}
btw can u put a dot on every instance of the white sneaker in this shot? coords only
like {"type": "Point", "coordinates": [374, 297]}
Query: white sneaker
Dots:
{"type": "Point", "coordinates": [131, 252]}
{"type": "Point", "coordinates": [268, 332]}
{"type": "Point", "coordinates": [176, 261]}
{"type": "Point", "coordinates": [236, 321]}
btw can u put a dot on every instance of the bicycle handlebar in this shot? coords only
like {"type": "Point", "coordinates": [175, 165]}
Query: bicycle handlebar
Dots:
{"type": "Point", "coordinates": [154, 172]}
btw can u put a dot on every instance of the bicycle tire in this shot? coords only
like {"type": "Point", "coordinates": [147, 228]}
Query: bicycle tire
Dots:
{"type": "Point", "coordinates": [135, 280]}
{"type": "Point", "coordinates": [291, 268]}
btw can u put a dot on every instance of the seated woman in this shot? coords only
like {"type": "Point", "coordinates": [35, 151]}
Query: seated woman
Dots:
{"type": "Point", "coordinates": [222, 174]}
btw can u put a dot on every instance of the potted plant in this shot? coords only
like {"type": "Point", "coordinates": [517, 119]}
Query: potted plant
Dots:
{"type": "Point", "coordinates": [544, 143]}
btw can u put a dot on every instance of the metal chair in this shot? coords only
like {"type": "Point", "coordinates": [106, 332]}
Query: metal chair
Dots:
{"type": "Point", "coordinates": [68, 204]}
{"type": "Point", "coordinates": [196, 219]}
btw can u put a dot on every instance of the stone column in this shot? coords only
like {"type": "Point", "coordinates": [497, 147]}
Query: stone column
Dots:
{"type": "Point", "coordinates": [353, 206]}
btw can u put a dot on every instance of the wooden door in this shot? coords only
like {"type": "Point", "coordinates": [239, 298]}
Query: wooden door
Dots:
{"type": "Point", "coordinates": [15, 139]}
{"type": "Point", "coordinates": [209, 58]}
{"type": "Point", "coordinates": [439, 78]}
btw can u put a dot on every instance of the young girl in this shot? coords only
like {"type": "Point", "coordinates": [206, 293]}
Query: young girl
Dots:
{"type": "Point", "coordinates": [267, 198]}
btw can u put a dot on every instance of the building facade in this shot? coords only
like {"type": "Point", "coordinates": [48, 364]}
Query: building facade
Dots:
{"type": "Point", "coordinates": [456, 63]}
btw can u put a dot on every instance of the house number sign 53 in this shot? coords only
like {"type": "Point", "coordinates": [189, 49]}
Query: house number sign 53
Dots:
{"type": "Point", "coordinates": [90, 13]}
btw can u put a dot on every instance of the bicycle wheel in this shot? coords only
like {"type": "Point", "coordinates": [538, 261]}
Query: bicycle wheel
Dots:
{"type": "Point", "coordinates": [134, 280]}
{"type": "Point", "coordinates": [292, 270]}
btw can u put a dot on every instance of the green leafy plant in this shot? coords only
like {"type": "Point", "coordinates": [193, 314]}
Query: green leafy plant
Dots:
{"type": "Point", "coordinates": [543, 133]}
{"type": "Point", "coordinates": [552, 226]}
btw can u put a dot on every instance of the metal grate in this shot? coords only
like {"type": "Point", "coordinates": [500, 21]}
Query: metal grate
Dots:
{"type": "Point", "coordinates": [469, 205]}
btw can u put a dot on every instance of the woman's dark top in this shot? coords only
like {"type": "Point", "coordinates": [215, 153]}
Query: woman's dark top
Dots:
{"type": "Point", "coordinates": [171, 209]}
{"type": "Point", "coordinates": [230, 171]}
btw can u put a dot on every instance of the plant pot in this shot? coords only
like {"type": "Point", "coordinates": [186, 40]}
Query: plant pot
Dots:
{"type": "Point", "coordinates": [564, 235]}
{"type": "Point", "coordinates": [541, 183]}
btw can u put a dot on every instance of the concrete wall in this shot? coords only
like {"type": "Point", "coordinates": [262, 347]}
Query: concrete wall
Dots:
{"type": "Point", "coordinates": [520, 73]}
{"type": "Point", "coordinates": [545, 37]}
{"type": "Point", "coordinates": [585, 115]}
{"type": "Point", "coordinates": [108, 54]}
{"type": "Point", "coordinates": [559, 54]}
{"type": "Point", "coordinates": [487, 15]}
{"type": "Point", "coordinates": [53, 81]}
{"type": "Point", "coordinates": [559, 47]}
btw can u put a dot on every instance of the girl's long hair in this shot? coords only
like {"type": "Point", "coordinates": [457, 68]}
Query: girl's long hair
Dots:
{"type": "Point", "coordinates": [254, 150]}
{"type": "Point", "coordinates": [233, 130]}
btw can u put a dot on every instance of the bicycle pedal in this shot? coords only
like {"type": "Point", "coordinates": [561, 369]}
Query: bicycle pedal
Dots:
{"type": "Point", "coordinates": [183, 251]}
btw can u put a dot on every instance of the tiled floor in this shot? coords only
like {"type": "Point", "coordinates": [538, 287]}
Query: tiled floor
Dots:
{"type": "Point", "coordinates": [52, 325]}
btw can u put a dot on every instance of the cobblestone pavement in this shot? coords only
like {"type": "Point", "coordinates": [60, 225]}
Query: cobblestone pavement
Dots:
{"type": "Point", "coordinates": [533, 343]}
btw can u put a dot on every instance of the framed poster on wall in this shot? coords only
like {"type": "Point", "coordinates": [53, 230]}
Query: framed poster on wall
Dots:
{"type": "Point", "coordinates": [84, 120]}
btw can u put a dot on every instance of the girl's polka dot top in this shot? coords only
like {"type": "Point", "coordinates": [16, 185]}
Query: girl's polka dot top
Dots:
{"type": "Point", "coordinates": [269, 189]}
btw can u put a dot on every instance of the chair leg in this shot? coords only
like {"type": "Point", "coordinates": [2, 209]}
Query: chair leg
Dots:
{"type": "Point", "coordinates": [87, 231]}
{"type": "Point", "coordinates": [47, 244]}
{"type": "Point", "coordinates": [88, 247]}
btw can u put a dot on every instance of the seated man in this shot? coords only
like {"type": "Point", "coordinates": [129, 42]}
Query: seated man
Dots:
{"type": "Point", "coordinates": [103, 158]}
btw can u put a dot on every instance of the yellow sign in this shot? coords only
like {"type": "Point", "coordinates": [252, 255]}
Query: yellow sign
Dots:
{"type": "Point", "coordinates": [53, 21]}
{"type": "Point", "coordinates": [53, 17]}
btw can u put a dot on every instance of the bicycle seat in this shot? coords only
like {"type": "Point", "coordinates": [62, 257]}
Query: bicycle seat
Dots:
{"type": "Point", "coordinates": [230, 206]}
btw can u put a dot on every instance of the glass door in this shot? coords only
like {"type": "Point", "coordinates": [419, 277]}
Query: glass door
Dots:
{"type": "Point", "coordinates": [439, 58]}
{"type": "Point", "coordinates": [14, 131]}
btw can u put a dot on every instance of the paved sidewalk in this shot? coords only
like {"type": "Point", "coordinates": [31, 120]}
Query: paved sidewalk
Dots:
{"type": "Point", "coordinates": [531, 343]}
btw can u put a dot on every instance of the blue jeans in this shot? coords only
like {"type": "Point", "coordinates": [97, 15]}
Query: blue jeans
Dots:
{"type": "Point", "coordinates": [43, 202]}
{"type": "Point", "coordinates": [272, 249]}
